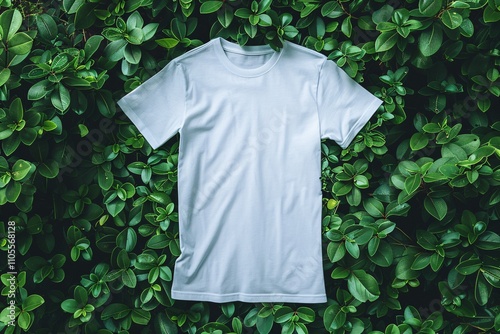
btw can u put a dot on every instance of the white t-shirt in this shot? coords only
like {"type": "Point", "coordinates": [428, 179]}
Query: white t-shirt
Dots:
{"type": "Point", "coordinates": [250, 121]}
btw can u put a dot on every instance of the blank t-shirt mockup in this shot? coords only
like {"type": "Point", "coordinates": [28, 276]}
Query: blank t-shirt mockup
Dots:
{"type": "Point", "coordinates": [250, 121]}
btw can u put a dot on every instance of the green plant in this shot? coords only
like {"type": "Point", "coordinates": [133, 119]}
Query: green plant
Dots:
{"type": "Point", "coordinates": [411, 207]}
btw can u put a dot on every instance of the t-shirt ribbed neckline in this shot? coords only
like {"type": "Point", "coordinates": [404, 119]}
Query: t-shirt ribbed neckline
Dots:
{"type": "Point", "coordinates": [221, 46]}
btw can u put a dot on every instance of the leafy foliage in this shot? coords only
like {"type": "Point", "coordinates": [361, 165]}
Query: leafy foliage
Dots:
{"type": "Point", "coordinates": [411, 208]}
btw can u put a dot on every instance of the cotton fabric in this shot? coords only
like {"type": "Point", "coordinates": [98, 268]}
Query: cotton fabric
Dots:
{"type": "Point", "coordinates": [250, 121]}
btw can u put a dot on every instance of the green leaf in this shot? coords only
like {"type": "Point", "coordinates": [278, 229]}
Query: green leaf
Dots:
{"type": "Point", "coordinates": [167, 42]}
{"type": "Point", "coordinates": [149, 30]}
{"type": "Point", "coordinates": [243, 13]}
{"type": "Point", "coordinates": [429, 7]}
{"type": "Point", "coordinates": [334, 318]}
{"type": "Point", "coordinates": [264, 325]}
{"type": "Point", "coordinates": [92, 45]}
{"type": "Point", "coordinates": [105, 103]}
{"type": "Point", "coordinates": [24, 320]}
{"type": "Point", "coordinates": [49, 125]}
{"type": "Point", "coordinates": [451, 19]}
{"type": "Point", "coordinates": [32, 302]}
{"type": "Point", "coordinates": [363, 286]}
{"type": "Point", "coordinates": [492, 275]}
{"type": "Point", "coordinates": [115, 311]}
{"type": "Point", "coordinates": [135, 36]}
{"type": "Point", "coordinates": [159, 241]}
{"type": "Point", "coordinates": [437, 207]}
{"type": "Point", "coordinates": [60, 98]}
{"type": "Point", "coordinates": [283, 314]}
{"type": "Point", "coordinates": [265, 20]}
{"type": "Point", "coordinates": [105, 179]}
{"type": "Point", "coordinates": [129, 278]}
{"type": "Point", "coordinates": [10, 22]}
{"type": "Point", "coordinates": [374, 207]}
{"type": "Point", "coordinates": [47, 27]}
{"type": "Point", "coordinates": [491, 15]}
{"type": "Point", "coordinates": [352, 248]}
{"type": "Point", "coordinates": [4, 75]}
{"type": "Point", "coordinates": [133, 54]}
{"type": "Point", "coordinates": [346, 27]}
{"type": "Point", "coordinates": [385, 41]}
{"type": "Point", "coordinates": [264, 5]}
{"type": "Point", "coordinates": [489, 240]}
{"type": "Point", "coordinates": [225, 16]}
{"type": "Point", "coordinates": [430, 40]}
{"type": "Point", "coordinates": [418, 141]}
{"type": "Point", "coordinates": [114, 51]}
{"type": "Point", "coordinates": [48, 169]}
{"type": "Point", "coordinates": [140, 316]}
{"type": "Point", "coordinates": [210, 7]}
{"type": "Point", "coordinates": [40, 90]}
{"type": "Point", "coordinates": [412, 183]}
{"type": "Point", "coordinates": [85, 16]}
{"type": "Point", "coordinates": [70, 305]}
{"type": "Point", "coordinates": [20, 43]}
{"type": "Point", "coordinates": [20, 169]}
{"type": "Point", "coordinates": [482, 290]}
{"type": "Point", "coordinates": [12, 191]}
{"type": "Point", "coordinates": [336, 251]}
{"type": "Point", "coordinates": [81, 295]}
{"type": "Point", "coordinates": [384, 257]}
{"type": "Point", "coordinates": [361, 181]}
{"type": "Point", "coordinates": [134, 21]}
{"type": "Point", "coordinates": [71, 6]}
{"type": "Point", "coordinates": [403, 268]}
{"type": "Point", "coordinates": [469, 266]}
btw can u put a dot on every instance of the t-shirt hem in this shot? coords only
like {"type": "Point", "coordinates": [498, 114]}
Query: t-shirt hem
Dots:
{"type": "Point", "coordinates": [136, 119]}
{"type": "Point", "coordinates": [362, 120]}
{"type": "Point", "coordinates": [249, 298]}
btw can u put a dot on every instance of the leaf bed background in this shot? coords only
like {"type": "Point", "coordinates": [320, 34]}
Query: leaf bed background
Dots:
{"type": "Point", "coordinates": [411, 208]}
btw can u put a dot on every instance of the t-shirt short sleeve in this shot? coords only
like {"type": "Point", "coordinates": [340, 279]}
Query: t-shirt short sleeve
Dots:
{"type": "Point", "coordinates": [344, 106]}
{"type": "Point", "coordinates": [157, 107]}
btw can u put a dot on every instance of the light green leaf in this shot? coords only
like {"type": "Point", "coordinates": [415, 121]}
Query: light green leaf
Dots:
{"type": "Point", "coordinates": [210, 7]}
{"type": "Point", "coordinates": [363, 286]}
{"type": "Point", "coordinates": [20, 43]}
{"type": "Point", "coordinates": [4, 75]}
{"type": "Point", "coordinates": [334, 318]}
{"type": "Point", "coordinates": [20, 169]}
{"type": "Point", "coordinates": [32, 302]}
{"type": "Point", "coordinates": [10, 22]}
{"type": "Point", "coordinates": [386, 40]}
{"type": "Point", "coordinates": [167, 42]}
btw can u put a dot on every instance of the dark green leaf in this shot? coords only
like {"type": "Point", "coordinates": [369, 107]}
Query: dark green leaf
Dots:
{"type": "Point", "coordinates": [437, 207]}
{"type": "Point", "coordinates": [451, 19]}
{"type": "Point", "coordinates": [430, 40]}
{"type": "Point", "coordinates": [46, 26]}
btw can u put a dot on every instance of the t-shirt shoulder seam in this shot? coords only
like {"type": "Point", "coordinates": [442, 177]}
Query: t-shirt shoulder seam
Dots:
{"type": "Point", "coordinates": [192, 52]}
{"type": "Point", "coordinates": [307, 50]}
